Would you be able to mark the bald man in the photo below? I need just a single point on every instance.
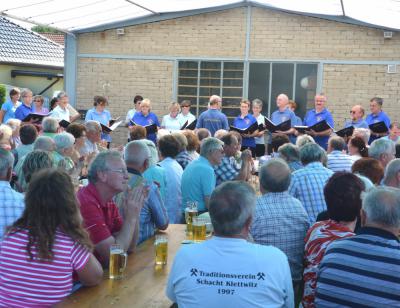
(284, 113)
(356, 114)
(213, 119)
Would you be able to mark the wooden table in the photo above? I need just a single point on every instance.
(143, 284)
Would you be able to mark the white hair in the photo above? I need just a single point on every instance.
(136, 153)
(64, 141)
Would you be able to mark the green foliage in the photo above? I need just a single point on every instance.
(3, 94)
(43, 29)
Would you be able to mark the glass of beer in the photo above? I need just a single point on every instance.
(199, 229)
(118, 258)
(190, 213)
(161, 244)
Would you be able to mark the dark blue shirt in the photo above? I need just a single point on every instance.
(375, 118)
(312, 117)
(142, 120)
(22, 111)
(213, 120)
(244, 123)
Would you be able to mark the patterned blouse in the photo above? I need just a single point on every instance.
(318, 237)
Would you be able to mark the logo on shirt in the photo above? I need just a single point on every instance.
(247, 121)
(319, 118)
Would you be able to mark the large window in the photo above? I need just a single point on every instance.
(296, 80)
(198, 80)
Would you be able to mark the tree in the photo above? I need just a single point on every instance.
(44, 29)
(3, 93)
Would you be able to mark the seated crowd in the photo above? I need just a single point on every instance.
(319, 227)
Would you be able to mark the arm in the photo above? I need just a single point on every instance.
(245, 170)
(92, 273)
(132, 202)
(2, 114)
(327, 132)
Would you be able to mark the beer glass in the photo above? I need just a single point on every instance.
(190, 213)
(161, 245)
(199, 229)
(118, 258)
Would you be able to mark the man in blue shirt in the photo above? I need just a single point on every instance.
(26, 107)
(198, 178)
(213, 119)
(318, 114)
(284, 113)
(357, 121)
(153, 213)
(377, 115)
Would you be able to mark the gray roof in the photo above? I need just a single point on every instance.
(22, 46)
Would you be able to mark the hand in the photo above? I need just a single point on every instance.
(245, 135)
(103, 143)
(133, 200)
(246, 155)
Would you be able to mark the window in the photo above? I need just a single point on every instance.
(296, 80)
(198, 80)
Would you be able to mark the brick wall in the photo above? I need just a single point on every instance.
(274, 35)
(120, 81)
(347, 85)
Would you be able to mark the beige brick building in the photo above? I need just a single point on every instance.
(239, 52)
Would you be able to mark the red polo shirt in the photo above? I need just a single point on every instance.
(100, 220)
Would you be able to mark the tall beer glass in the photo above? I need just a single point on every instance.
(118, 258)
(190, 213)
(161, 246)
(199, 229)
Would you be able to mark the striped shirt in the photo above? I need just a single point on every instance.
(307, 185)
(26, 283)
(361, 271)
(338, 161)
(320, 235)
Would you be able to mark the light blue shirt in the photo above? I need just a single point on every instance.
(11, 205)
(9, 109)
(173, 198)
(157, 174)
(103, 117)
(230, 272)
(307, 185)
(357, 124)
(198, 181)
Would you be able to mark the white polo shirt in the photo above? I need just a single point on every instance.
(228, 272)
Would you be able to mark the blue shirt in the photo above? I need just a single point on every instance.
(360, 271)
(198, 181)
(143, 120)
(173, 197)
(12, 206)
(375, 118)
(9, 110)
(357, 124)
(153, 213)
(244, 123)
(281, 116)
(312, 117)
(307, 185)
(103, 117)
(281, 221)
(213, 120)
(22, 111)
(156, 174)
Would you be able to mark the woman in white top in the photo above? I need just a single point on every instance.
(260, 142)
(186, 115)
(170, 121)
(61, 112)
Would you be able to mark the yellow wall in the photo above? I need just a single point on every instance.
(36, 84)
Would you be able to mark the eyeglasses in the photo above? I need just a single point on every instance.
(351, 112)
(185, 106)
(121, 171)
